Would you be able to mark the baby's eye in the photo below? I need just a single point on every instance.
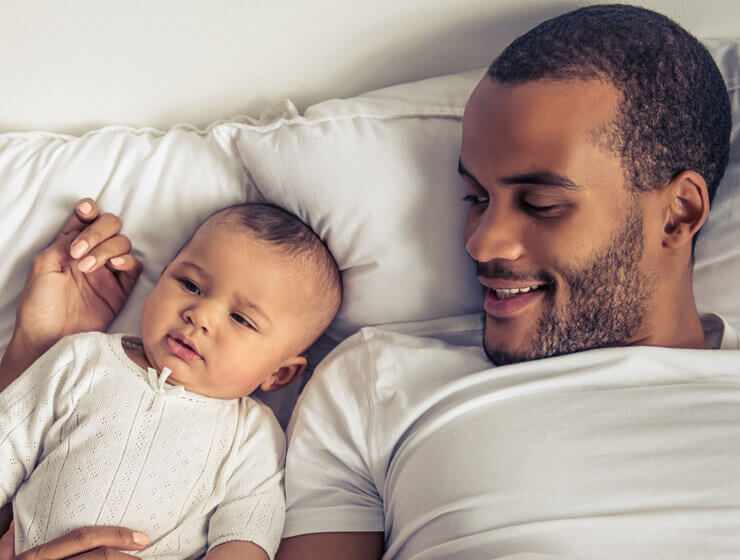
(242, 321)
(190, 286)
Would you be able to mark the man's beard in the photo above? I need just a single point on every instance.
(607, 305)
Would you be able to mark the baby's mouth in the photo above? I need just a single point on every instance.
(183, 348)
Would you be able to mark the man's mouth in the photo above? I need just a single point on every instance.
(182, 347)
(507, 293)
(504, 300)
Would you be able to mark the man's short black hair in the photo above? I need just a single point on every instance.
(674, 111)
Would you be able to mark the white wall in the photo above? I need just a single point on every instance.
(73, 65)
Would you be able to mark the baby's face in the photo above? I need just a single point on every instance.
(227, 312)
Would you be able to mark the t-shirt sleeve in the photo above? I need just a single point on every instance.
(253, 506)
(329, 467)
(27, 412)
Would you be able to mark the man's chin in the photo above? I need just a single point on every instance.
(504, 358)
(497, 343)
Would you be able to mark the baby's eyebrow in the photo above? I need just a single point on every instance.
(241, 301)
(198, 269)
(244, 303)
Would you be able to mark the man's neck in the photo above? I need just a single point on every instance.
(675, 326)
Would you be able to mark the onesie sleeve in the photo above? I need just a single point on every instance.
(27, 411)
(330, 475)
(253, 506)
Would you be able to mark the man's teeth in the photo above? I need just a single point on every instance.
(505, 294)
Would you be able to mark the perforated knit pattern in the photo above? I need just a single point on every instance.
(80, 444)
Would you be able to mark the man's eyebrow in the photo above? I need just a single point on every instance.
(544, 178)
(463, 171)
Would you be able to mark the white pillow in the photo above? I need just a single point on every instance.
(376, 177)
(161, 185)
(717, 257)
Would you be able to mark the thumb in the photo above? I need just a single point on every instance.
(7, 543)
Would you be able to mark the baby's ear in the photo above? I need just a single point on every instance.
(288, 372)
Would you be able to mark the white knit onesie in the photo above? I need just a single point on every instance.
(89, 438)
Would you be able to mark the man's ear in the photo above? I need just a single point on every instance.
(687, 208)
(288, 372)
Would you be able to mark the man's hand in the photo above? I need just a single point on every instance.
(79, 283)
(88, 542)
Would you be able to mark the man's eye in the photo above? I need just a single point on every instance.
(190, 286)
(476, 198)
(545, 210)
(242, 321)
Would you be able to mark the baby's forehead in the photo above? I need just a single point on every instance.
(238, 242)
(279, 234)
(216, 229)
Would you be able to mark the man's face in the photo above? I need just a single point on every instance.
(226, 313)
(557, 237)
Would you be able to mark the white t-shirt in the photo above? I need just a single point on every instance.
(89, 438)
(624, 453)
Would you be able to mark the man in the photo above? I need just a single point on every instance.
(590, 154)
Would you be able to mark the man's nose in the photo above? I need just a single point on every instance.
(495, 234)
(199, 316)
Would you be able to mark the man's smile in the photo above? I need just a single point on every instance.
(505, 298)
(507, 302)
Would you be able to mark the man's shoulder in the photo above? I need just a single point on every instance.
(457, 330)
(396, 353)
(458, 335)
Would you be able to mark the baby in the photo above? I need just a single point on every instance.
(158, 433)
